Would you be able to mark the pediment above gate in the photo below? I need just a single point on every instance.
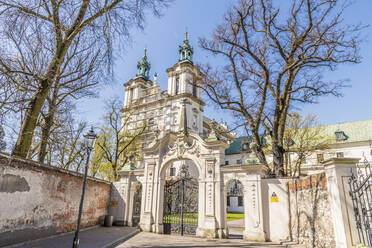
(178, 145)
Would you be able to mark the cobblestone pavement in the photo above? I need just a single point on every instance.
(145, 240)
(97, 237)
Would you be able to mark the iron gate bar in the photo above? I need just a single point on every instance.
(361, 196)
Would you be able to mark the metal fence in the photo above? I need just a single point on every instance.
(361, 195)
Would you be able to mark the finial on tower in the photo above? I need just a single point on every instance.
(143, 67)
(186, 51)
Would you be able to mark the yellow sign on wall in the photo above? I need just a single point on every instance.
(113, 202)
(274, 197)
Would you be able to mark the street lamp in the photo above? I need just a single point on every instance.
(90, 138)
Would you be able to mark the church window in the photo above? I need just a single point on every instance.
(172, 171)
(194, 91)
(177, 86)
(240, 201)
(195, 120)
(340, 135)
(151, 124)
(245, 147)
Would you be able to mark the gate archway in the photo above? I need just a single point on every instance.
(235, 209)
(180, 210)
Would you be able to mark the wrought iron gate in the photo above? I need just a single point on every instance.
(137, 204)
(181, 205)
(361, 195)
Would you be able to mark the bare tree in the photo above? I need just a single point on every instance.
(2, 142)
(275, 57)
(58, 25)
(116, 144)
(64, 146)
(303, 136)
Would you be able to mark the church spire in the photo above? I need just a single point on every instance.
(186, 51)
(143, 67)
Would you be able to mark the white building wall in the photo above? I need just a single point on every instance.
(234, 206)
(276, 214)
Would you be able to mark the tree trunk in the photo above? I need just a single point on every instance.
(277, 148)
(26, 132)
(278, 159)
(257, 149)
(45, 132)
(29, 122)
(49, 120)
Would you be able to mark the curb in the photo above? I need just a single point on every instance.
(122, 239)
(26, 242)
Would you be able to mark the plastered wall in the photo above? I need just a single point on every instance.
(40, 200)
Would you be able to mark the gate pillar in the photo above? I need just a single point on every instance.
(147, 218)
(211, 216)
(338, 171)
(253, 217)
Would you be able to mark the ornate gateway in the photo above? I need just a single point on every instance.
(181, 205)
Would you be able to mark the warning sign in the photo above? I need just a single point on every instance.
(274, 197)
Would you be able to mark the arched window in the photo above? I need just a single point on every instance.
(245, 147)
(177, 86)
(194, 91)
(151, 124)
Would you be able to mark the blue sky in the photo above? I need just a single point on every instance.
(162, 36)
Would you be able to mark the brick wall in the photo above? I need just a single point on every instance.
(311, 220)
(40, 200)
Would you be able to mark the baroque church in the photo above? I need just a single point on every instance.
(168, 111)
(193, 171)
(162, 111)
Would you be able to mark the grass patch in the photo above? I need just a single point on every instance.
(234, 216)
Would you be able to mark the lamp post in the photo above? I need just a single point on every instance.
(90, 138)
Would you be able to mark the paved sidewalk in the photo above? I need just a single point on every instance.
(236, 228)
(145, 240)
(97, 237)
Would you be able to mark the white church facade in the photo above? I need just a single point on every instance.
(193, 170)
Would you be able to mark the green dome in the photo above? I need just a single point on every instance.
(186, 51)
(143, 67)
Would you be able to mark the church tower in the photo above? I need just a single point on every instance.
(183, 80)
(135, 87)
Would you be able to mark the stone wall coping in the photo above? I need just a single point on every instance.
(33, 165)
(341, 162)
